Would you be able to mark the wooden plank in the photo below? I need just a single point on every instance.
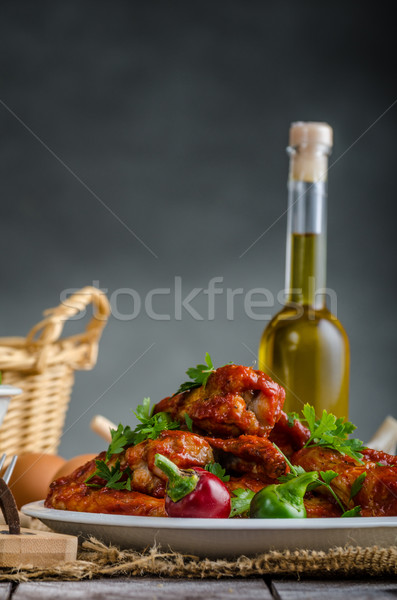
(37, 548)
(368, 589)
(145, 589)
(5, 591)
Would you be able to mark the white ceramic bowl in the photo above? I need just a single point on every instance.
(6, 393)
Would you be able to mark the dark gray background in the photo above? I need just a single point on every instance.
(176, 115)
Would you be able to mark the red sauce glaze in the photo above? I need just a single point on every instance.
(79, 497)
(289, 438)
(250, 454)
(377, 456)
(378, 495)
(235, 400)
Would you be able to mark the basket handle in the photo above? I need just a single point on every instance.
(50, 329)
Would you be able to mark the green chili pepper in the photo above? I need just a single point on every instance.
(282, 501)
(180, 483)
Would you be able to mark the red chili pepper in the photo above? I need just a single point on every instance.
(194, 493)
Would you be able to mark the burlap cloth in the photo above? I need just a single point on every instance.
(98, 560)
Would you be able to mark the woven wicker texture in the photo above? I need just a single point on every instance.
(43, 365)
(97, 560)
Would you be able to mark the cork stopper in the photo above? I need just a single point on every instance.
(306, 133)
(310, 143)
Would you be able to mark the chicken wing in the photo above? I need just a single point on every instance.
(185, 449)
(379, 457)
(378, 495)
(289, 437)
(246, 482)
(249, 454)
(235, 400)
(319, 507)
(79, 497)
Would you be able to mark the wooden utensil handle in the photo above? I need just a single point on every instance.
(102, 426)
(385, 438)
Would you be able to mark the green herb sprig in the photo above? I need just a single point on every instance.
(326, 479)
(241, 501)
(354, 512)
(121, 437)
(330, 432)
(111, 475)
(189, 422)
(357, 485)
(199, 376)
(150, 427)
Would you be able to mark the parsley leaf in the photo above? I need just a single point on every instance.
(199, 376)
(292, 474)
(331, 432)
(241, 501)
(121, 437)
(201, 372)
(357, 485)
(318, 427)
(218, 470)
(143, 412)
(328, 476)
(296, 470)
(150, 427)
(112, 476)
(354, 512)
(189, 422)
(186, 387)
(310, 416)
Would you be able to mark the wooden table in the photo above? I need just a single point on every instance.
(149, 588)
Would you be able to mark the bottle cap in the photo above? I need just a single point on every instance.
(304, 133)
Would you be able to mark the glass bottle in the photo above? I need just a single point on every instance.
(304, 347)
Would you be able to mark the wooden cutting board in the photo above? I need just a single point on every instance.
(35, 548)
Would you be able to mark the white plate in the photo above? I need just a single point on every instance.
(219, 537)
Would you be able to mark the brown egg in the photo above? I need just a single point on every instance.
(32, 476)
(70, 465)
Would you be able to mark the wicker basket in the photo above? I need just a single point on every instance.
(43, 366)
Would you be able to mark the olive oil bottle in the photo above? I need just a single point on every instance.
(304, 347)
